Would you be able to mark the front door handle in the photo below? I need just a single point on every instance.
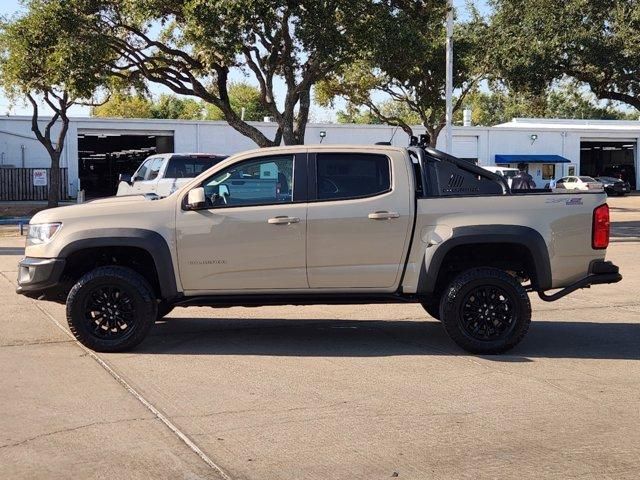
(283, 220)
(383, 215)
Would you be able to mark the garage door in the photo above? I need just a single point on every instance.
(465, 147)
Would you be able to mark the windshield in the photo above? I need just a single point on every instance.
(608, 179)
(189, 166)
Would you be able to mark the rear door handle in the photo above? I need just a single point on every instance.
(383, 215)
(283, 220)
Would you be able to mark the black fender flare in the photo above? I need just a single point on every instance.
(148, 240)
(482, 234)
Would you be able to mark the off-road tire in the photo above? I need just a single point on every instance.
(459, 300)
(141, 308)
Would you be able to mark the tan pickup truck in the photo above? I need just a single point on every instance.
(321, 225)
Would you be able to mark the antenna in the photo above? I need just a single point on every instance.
(393, 134)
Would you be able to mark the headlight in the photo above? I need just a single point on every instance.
(40, 233)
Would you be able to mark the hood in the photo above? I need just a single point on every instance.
(92, 208)
(122, 199)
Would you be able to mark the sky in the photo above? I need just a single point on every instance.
(10, 7)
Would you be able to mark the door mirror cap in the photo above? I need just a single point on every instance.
(195, 198)
(125, 177)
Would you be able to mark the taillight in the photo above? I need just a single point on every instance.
(600, 233)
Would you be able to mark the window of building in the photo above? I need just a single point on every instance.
(548, 171)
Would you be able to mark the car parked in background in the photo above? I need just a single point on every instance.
(506, 172)
(614, 186)
(165, 173)
(579, 183)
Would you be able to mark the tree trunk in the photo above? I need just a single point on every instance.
(54, 181)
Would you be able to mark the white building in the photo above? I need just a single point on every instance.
(97, 150)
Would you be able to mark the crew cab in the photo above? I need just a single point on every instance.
(321, 224)
(163, 174)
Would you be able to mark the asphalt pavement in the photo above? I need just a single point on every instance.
(328, 392)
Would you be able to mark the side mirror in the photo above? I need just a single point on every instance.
(125, 177)
(195, 198)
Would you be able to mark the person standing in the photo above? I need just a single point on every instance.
(522, 180)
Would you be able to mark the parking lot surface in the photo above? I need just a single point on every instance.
(328, 392)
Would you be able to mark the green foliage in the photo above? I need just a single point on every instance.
(404, 60)
(191, 47)
(388, 109)
(51, 49)
(51, 54)
(536, 42)
(241, 95)
(171, 106)
(122, 105)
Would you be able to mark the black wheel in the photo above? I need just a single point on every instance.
(432, 308)
(164, 309)
(485, 310)
(110, 309)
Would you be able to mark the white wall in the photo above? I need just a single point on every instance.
(218, 137)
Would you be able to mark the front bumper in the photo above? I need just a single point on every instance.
(600, 272)
(37, 276)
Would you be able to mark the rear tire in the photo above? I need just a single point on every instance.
(111, 309)
(486, 311)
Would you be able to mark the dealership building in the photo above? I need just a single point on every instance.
(98, 149)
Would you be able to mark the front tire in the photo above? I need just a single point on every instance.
(111, 309)
(486, 311)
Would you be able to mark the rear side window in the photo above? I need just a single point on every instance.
(190, 166)
(352, 175)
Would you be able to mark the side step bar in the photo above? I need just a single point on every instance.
(600, 272)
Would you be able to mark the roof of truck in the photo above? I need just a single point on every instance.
(327, 146)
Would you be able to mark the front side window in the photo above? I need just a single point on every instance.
(263, 181)
(352, 175)
(154, 169)
(143, 169)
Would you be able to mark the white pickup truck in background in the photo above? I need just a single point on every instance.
(165, 173)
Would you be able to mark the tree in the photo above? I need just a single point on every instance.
(241, 95)
(500, 106)
(191, 47)
(122, 105)
(405, 62)
(48, 55)
(171, 106)
(537, 42)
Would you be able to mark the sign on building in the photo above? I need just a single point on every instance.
(39, 177)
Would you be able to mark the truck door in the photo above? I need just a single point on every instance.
(359, 217)
(252, 234)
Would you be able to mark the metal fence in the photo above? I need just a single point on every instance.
(17, 184)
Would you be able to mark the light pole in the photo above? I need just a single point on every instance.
(449, 80)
